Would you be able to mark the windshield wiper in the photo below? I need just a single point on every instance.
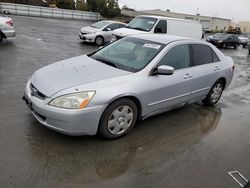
(137, 28)
(105, 61)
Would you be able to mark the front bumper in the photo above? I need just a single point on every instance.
(87, 37)
(9, 33)
(67, 121)
(215, 43)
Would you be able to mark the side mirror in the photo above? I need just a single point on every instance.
(163, 70)
(108, 29)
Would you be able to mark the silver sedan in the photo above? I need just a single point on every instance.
(100, 32)
(108, 90)
(6, 28)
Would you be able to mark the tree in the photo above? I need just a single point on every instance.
(125, 7)
(107, 8)
(65, 4)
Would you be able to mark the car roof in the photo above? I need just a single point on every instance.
(112, 21)
(160, 38)
(168, 18)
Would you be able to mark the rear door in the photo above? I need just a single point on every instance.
(205, 69)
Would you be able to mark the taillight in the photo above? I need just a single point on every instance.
(10, 23)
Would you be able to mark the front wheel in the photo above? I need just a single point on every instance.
(236, 46)
(99, 40)
(118, 119)
(1, 38)
(248, 51)
(244, 45)
(214, 94)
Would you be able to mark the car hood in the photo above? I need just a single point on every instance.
(72, 72)
(123, 32)
(89, 29)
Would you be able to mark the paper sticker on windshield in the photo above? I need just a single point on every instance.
(155, 46)
(151, 22)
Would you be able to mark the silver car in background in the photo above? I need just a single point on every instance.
(131, 79)
(7, 29)
(100, 32)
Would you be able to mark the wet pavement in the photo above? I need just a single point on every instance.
(193, 146)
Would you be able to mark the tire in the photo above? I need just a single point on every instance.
(99, 40)
(236, 46)
(118, 119)
(249, 51)
(1, 38)
(214, 94)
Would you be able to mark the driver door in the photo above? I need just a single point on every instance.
(168, 91)
(108, 31)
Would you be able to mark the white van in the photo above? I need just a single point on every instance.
(159, 24)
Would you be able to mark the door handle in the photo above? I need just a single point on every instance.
(187, 75)
(216, 68)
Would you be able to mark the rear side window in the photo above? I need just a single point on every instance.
(215, 57)
(202, 54)
(177, 57)
(161, 27)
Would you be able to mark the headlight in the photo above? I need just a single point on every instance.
(220, 41)
(73, 101)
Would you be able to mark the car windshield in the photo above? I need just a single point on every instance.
(142, 23)
(100, 24)
(220, 36)
(128, 54)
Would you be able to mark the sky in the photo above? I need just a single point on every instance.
(231, 9)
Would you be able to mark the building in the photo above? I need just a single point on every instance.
(208, 23)
(244, 26)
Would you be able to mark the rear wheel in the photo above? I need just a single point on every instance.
(214, 94)
(99, 40)
(244, 45)
(118, 119)
(248, 51)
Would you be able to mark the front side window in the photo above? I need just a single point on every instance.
(178, 57)
(142, 23)
(161, 27)
(202, 54)
(112, 26)
(129, 54)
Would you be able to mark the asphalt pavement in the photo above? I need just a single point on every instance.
(193, 146)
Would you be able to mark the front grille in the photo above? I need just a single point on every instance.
(34, 92)
(84, 33)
